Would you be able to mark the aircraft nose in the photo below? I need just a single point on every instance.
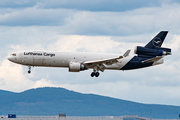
(10, 58)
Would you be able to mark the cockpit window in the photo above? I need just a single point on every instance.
(14, 54)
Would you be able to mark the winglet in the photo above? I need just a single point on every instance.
(127, 53)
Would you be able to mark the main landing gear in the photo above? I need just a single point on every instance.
(97, 68)
(29, 71)
(96, 74)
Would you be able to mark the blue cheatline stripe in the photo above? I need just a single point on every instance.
(135, 63)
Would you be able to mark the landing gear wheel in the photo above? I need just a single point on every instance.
(92, 74)
(29, 71)
(97, 74)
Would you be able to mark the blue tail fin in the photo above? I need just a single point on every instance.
(157, 41)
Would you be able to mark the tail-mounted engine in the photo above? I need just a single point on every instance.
(76, 67)
(157, 51)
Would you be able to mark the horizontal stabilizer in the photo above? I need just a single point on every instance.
(152, 59)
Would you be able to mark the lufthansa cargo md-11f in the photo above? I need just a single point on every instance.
(149, 55)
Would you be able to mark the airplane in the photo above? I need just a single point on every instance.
(149, 55)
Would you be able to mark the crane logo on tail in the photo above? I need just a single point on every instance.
(157, 42)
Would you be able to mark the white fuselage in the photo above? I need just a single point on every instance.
(63, 59)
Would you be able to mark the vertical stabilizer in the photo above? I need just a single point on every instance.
(157, 41)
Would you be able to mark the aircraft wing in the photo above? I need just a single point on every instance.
(152, 59)
(108, 61)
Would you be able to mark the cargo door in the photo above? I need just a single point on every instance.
(26, 59)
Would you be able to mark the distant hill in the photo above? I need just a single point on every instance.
(51, 101)
(3, 92)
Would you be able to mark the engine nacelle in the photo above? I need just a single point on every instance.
(151, 52)
(76, 67)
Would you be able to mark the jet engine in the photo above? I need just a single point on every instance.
(157, 51)
(76, 67)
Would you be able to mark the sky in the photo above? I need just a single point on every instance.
(100, 26)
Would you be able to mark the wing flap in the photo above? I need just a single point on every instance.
(108, 61)
(103, 60)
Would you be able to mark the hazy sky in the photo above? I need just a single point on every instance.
(106, 26)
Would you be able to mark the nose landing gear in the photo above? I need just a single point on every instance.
(29, 71)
